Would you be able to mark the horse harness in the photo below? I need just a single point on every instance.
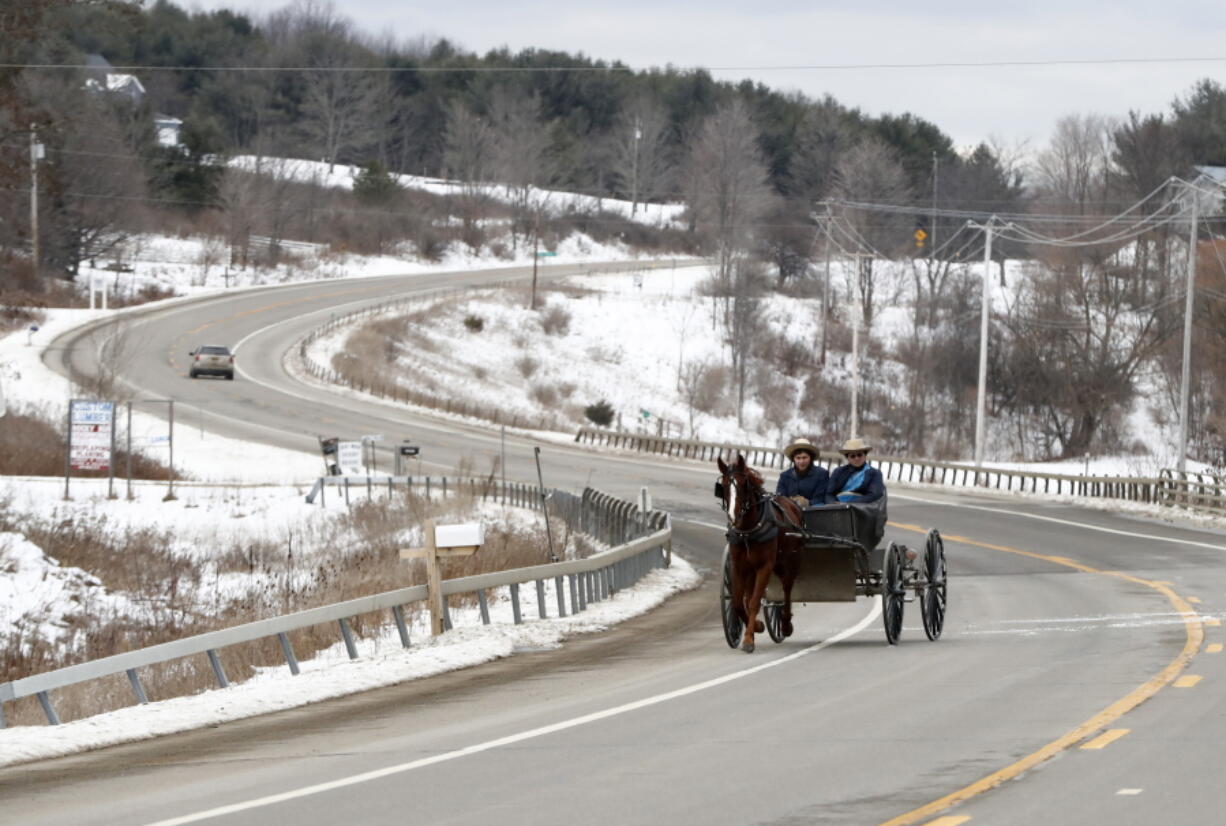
(767, 528)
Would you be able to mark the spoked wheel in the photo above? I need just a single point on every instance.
(733, 627)
(932, 603)
(774, 620)
(892, 593)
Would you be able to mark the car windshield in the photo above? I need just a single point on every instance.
(214, 351)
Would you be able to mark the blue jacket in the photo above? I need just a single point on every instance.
(870, 489)
(811, 486)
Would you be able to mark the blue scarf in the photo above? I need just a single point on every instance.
(854, 481)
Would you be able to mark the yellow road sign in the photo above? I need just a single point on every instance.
(920, 235)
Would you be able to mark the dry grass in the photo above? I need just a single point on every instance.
(353, 555)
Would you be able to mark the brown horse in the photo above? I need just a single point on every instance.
(759, 544)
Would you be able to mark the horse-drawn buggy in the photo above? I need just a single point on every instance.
(779, 553)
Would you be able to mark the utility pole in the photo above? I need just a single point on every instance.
(932, 230)
(1185, 378)
(634, 168)
(855, 372)
(981, 405)
(536, 257)
(826, 289)
(36, 155)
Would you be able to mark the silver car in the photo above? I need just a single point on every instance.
(212, 360)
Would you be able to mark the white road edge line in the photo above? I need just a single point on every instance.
(523, 735)
(1071, 522)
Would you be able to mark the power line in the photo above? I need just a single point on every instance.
(806, 67)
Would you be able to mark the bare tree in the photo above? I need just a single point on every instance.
(870, 172)
(339, 108)
(468, 154)
(89, 206)
(727, 187)
(1073, 170)
(520, 154)
(1074, 343)
(640, 142)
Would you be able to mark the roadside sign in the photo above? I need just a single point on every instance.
(377, 437)
(546, 254)
(90, 436)
(409, 450)
(349, 454)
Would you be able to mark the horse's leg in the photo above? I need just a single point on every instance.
(761, 578)
(738, 586)
(786, 625)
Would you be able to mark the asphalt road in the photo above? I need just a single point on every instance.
(1064, 623)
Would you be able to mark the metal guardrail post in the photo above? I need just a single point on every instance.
(44, 700)
(137, 688)
(484, 605)
(515, 612)
(347, 634)
(288, 651)
(560, 588)
(401, 628)
(540, 599)
(218, 671)
(447, 626)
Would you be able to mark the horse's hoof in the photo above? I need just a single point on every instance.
(758, 627)
(747, 647)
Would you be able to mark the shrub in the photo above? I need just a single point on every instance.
(600, 413)
(474, 323)
(555, 320)
(544, 395)
(527, 366)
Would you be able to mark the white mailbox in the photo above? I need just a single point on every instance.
(459, 536)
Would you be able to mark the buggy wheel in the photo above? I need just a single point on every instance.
(892, 593)
(774, 620)
(733, 627)
(932, 601)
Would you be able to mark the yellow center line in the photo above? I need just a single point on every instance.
(1106, 738)
(1194, 600)
(1187, 681)
(948, 820)
(1213, 648)
(1194, 637)
(1212, 622)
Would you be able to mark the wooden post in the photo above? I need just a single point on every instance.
(434, 582)
(434, 579)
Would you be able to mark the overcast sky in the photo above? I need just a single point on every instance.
(1012, 103)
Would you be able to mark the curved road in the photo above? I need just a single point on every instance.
(1064, 624)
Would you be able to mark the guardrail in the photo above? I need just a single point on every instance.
(1190, 489)
(896, 468)
(645, 544)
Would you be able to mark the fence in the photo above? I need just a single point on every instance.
(644, 542)
(1135, 489)
(1189, 489)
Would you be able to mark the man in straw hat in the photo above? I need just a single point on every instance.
(805, 481)
(856, 481)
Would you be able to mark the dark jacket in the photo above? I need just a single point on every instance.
(811, 486)
(870, 489)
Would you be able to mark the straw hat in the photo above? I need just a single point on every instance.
(800, 444)
(855, 445)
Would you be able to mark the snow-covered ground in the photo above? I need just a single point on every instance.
(342, 177)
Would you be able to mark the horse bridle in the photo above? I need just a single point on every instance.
(767, 524)
(742, 535)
